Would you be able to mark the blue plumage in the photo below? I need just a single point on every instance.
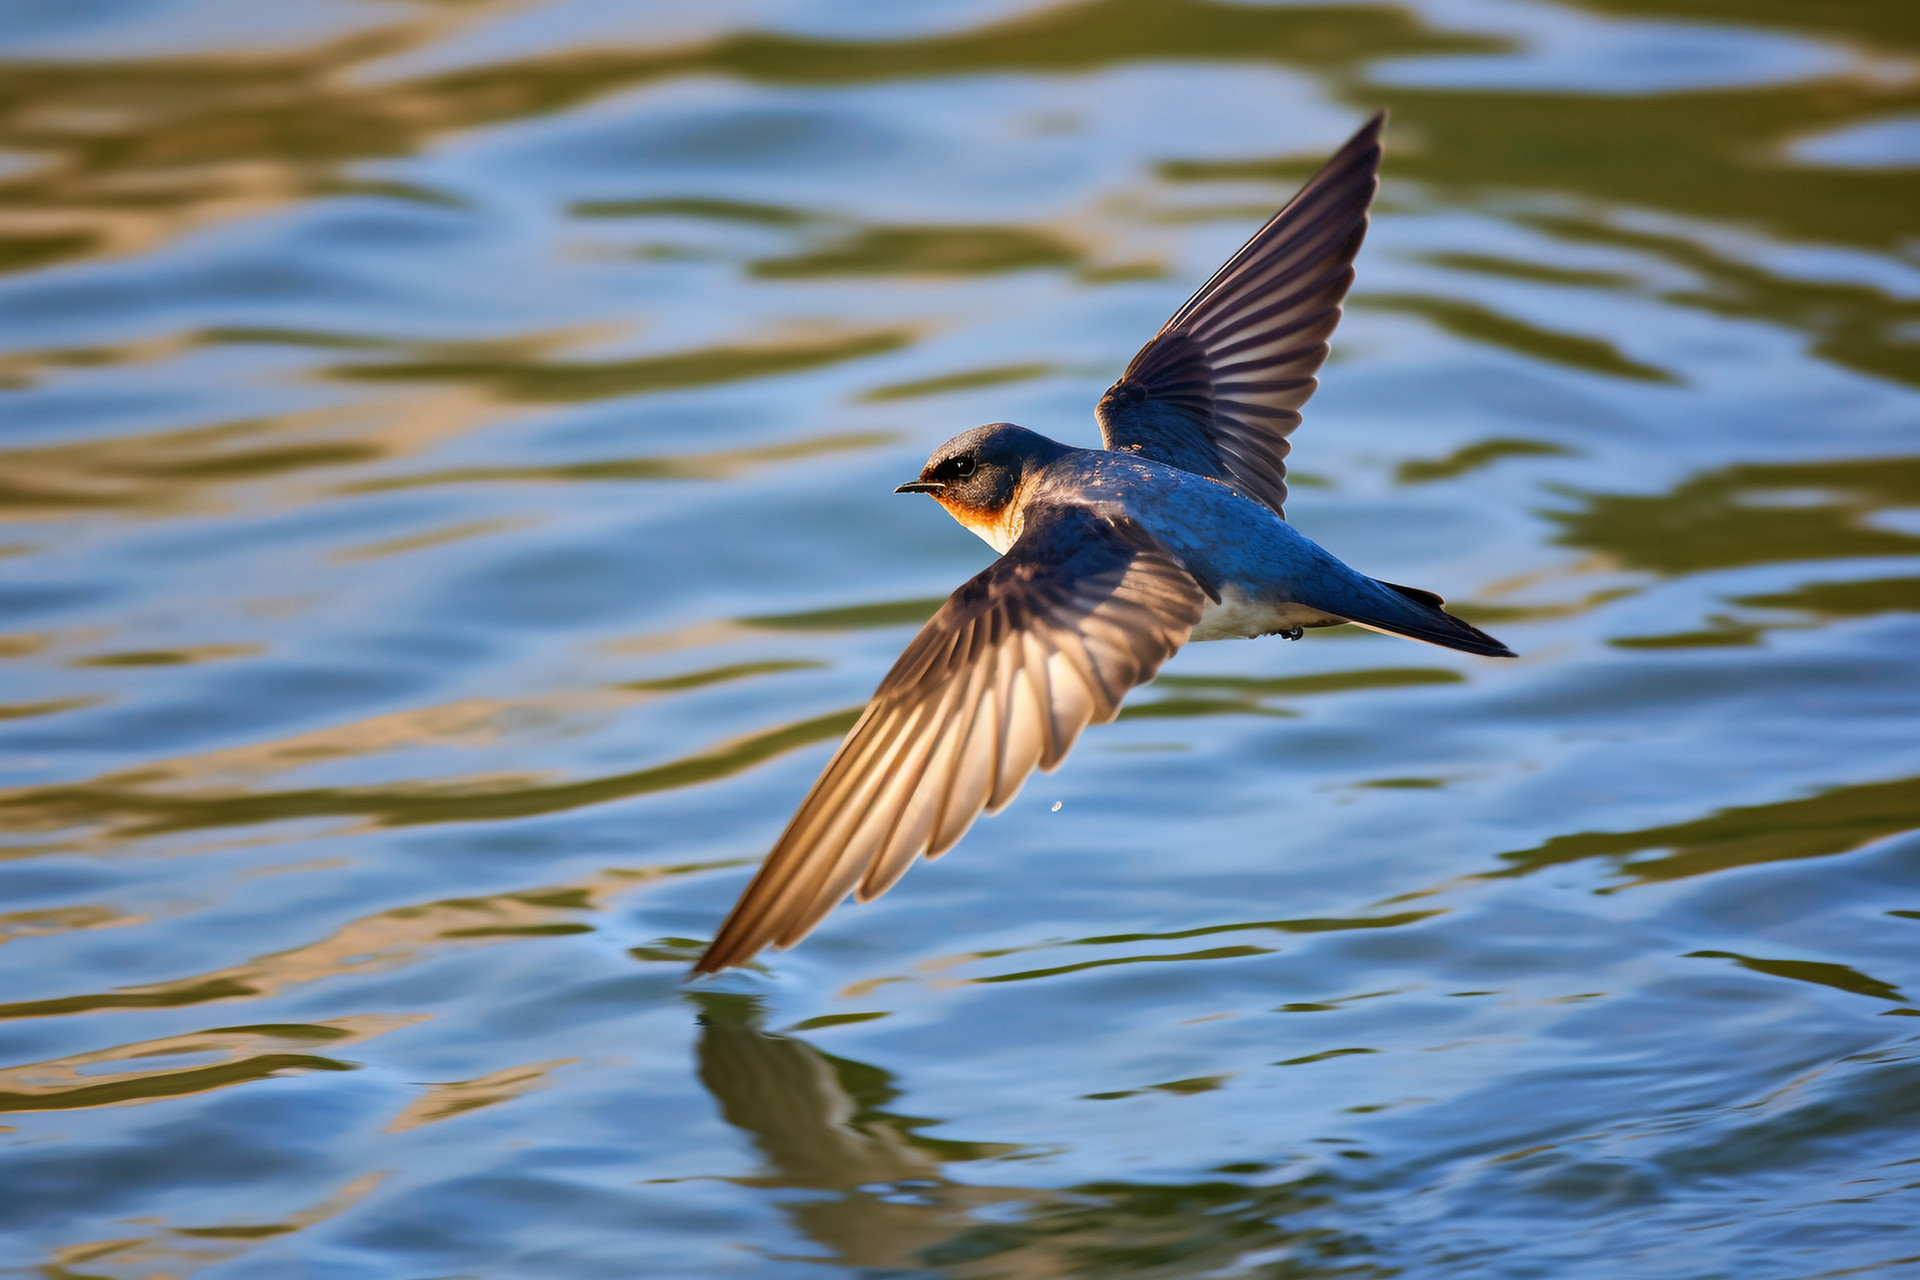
(1260, 574)
(1111, 559)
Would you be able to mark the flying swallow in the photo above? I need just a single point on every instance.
(1110, 560)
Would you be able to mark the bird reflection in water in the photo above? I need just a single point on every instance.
(818, 1125)
(880, 1197)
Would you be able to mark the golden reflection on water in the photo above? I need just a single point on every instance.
(134, 152)
(381, 943)
(172, 473)
(182, 1251)
(131, 810)
(1628, 364)
(239, 1055)
(457, 1097)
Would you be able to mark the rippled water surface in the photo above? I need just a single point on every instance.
(446, 460)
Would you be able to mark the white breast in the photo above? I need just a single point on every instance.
(1239, 616)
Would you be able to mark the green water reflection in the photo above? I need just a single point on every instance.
(1752, 514)
(447, 458)
(1831, 822)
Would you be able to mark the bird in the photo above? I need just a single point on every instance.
(1110, 559)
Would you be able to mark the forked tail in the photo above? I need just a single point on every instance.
(1416, 614)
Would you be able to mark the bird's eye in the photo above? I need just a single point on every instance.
(962, 467)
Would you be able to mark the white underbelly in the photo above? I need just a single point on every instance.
(1238, 616)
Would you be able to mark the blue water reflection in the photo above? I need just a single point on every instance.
(447, 468)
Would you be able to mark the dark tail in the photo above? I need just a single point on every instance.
(1416, 614)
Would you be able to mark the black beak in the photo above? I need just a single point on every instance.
(921, 486)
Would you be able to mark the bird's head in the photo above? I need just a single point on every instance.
(978, 477)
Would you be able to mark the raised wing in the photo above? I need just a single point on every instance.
(1219, 389)
(1018, 661)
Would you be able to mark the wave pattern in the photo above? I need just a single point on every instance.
(447, 520)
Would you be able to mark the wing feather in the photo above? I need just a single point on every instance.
(1219, 389)
(918, 805)
(972, 782)
(1002, 680)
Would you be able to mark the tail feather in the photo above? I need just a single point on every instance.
(1416, 614)
(1415, 594)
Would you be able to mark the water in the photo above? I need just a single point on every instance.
(447, 453)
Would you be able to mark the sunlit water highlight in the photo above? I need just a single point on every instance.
(447, 462)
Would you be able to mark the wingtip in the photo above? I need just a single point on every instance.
(702, 970)
(715, 959)
(1363, 150)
